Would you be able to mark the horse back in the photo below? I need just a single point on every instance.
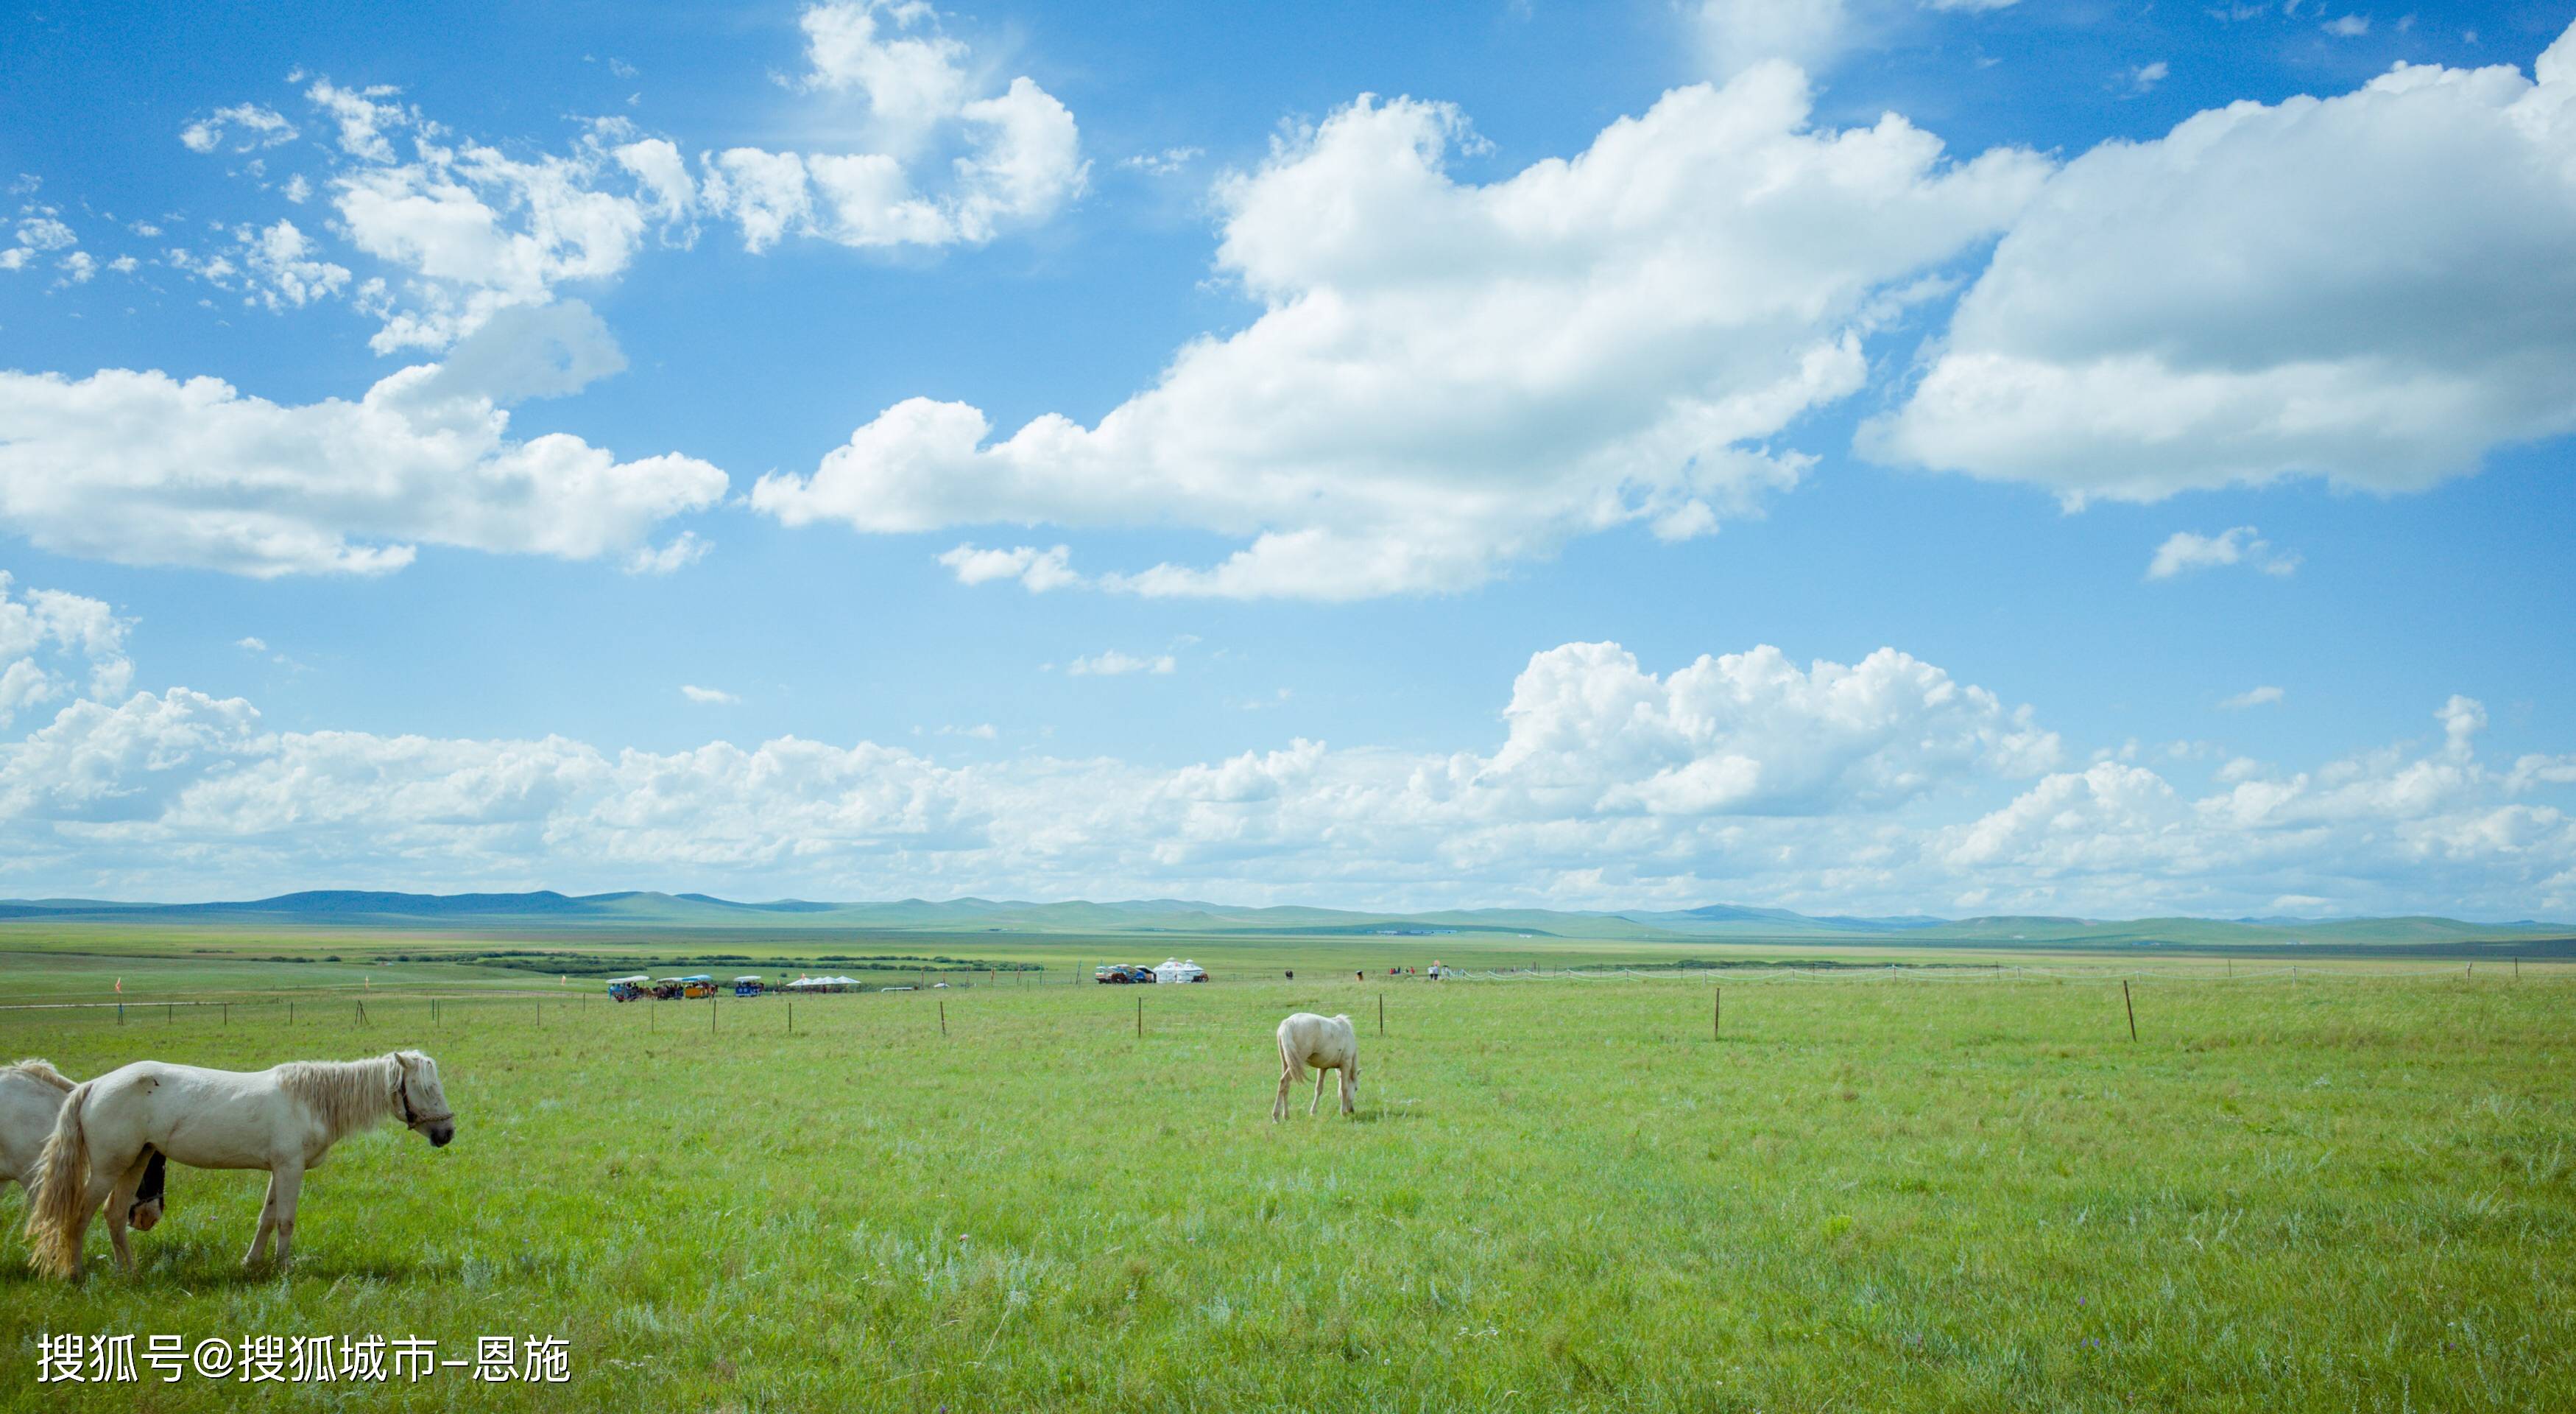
(215, 1119)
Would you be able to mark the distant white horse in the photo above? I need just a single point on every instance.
(31, 1099)
(1326, 1043)
(282, 1119)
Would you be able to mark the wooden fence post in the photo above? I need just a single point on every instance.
(1716, 1011)
(2132, 1006)
(1381, 1013)
(1140, 1018)
(943, 1016)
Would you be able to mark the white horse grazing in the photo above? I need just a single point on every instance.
(1326, 1043)
(31, 1099)
(282, 1119)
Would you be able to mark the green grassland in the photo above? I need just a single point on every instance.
(2343, 1192)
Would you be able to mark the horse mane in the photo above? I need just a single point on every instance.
(344, 1095)
(41, 1071)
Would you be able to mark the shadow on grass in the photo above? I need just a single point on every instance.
(203, 1264)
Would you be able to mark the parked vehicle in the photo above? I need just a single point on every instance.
(1122, 974)
(749, 986)
(627, 989)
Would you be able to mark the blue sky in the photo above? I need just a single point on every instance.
(2087, 496)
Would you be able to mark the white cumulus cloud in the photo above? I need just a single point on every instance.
(2186, 550)
(140, 467)
(1867, 786)
(1037, 570)
(2372, 289)
(1013, 157)
(1447, 378)
(251, 127)
(54, 644)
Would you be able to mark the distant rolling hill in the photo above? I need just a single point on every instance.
(547, 910)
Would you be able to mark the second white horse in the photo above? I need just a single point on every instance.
(31, 1099)
(1324, 1043)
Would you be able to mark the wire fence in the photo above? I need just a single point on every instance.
(536, 1004)
(1938, 973)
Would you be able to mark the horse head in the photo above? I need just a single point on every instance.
(422, 1102)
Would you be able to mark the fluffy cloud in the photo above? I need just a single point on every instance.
(53, 644)
(2372, 289)
(41, 232)
(1747, 734)
(466, 229)
(477, 232)
(144, 468)
(1446, 378)
(251, 126)
(2185, 551)
(1017, 155)
(283, 269)
(1037, 570)
(2401, 826)
(708, 696)
(1871, 785)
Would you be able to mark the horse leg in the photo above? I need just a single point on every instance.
(286, 1183)
(1350, 1090)
(1317, 1102)
(267, 1220)
(1279, 1107)
(120, 1206)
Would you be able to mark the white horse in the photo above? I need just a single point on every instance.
(1326, 1043)
(283, 1120)
(31, 1099)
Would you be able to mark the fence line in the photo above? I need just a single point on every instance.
(321, 999)
(1953, 972)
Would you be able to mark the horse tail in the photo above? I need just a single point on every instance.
(1290, 1058)
(56, 1199)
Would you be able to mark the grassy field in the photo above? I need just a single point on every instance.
(2344, 1194)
